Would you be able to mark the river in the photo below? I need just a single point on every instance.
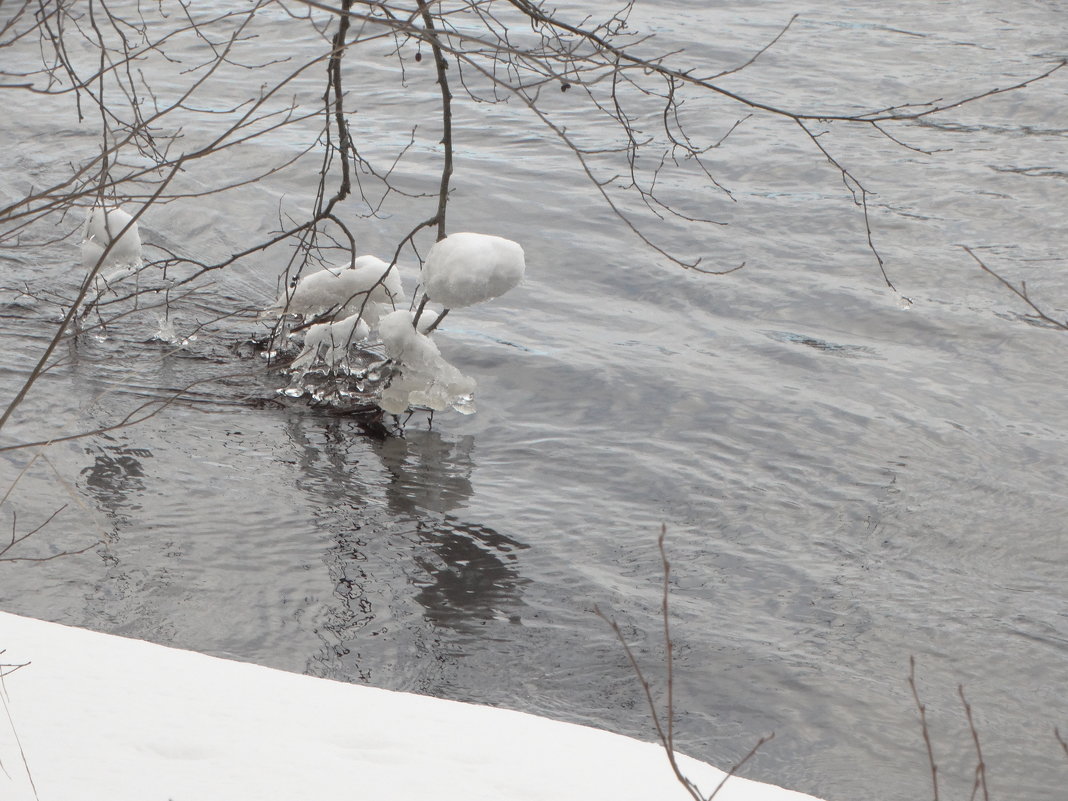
(849, 475)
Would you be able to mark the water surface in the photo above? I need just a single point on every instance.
(848, 478)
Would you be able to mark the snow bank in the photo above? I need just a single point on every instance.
(104, 718)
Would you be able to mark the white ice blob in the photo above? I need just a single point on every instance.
(403, 343)
(335, 338)
(101, 226)
(423, 377)
(344, 291)
(464, 269)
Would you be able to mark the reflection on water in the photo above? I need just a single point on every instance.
(341, 623)
(329, 453)
(469, 575)
(427, 473)
(390, 507)
(116, 475)
(846, 483)
(467, 571)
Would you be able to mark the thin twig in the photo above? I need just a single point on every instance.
(923, 726)
(1061, 740)
(665, 724)
(442, 66)
(1020, 292)
(14, 731)
(980, 764)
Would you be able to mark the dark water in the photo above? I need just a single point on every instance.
(847, 478)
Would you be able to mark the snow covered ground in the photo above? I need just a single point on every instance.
(93, 716)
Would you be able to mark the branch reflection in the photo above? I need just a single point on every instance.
(412, 575)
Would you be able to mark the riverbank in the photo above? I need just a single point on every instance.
(94, 716)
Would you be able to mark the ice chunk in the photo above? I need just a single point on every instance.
(423, 377)
(371, 283)
(167, 332)
(335, 337)
(464, 269)
(101, 226)
(403, 343)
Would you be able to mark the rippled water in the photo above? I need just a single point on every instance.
(847, 478)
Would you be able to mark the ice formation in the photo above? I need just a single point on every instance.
(464, 269)
(422, 377)
(335, 337)
(101, 226)
(340, 364)
(368, 286)
(168, 332)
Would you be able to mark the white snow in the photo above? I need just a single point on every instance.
(332, 340)
(464, 269)
(424, 378)
(101, 226)
(404, 344)
(104, 718)
(345, 291)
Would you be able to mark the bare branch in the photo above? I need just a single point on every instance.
(665, 725)
(1020, 292)
(980, 765)
(922, 709)
(1061, 740)
(442, 66)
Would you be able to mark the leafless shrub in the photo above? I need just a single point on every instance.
(663, 715)
(101, 55)
(6, 669)
(979, 787)
(10, 550)
(980, 764)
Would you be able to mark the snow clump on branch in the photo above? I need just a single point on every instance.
(465, 269)
(369, 287)
(460, 270)
(335, 337)
(101, 226)
(421, 378)
(340, 363)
